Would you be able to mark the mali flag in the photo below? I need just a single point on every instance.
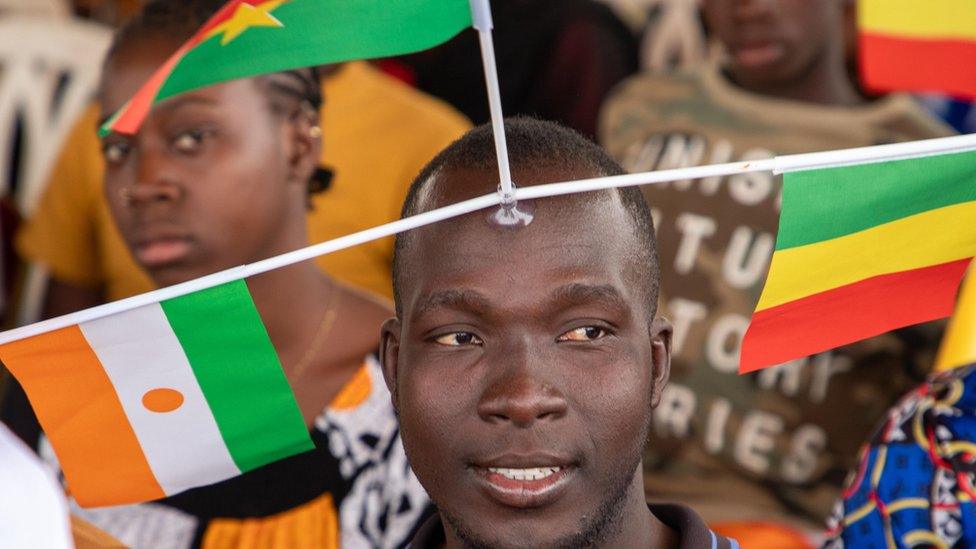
(250, 37)
(918, 45)
(861, 250)
(158, 398)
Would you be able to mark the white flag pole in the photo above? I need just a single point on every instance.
(481, 20)
(779, 164)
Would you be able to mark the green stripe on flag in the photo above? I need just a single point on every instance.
(824, 204)
(238, 369)
(317, 32)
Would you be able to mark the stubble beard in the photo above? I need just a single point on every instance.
(593, 530)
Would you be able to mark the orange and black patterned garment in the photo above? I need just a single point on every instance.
(355, 489)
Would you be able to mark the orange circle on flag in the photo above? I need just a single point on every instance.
(162, 400)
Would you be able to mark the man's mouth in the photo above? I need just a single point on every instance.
(525, 487)
(535, 473)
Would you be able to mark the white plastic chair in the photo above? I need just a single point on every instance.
(42, 8)
(49, 68)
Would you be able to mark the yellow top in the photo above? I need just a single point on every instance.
(378, 134)
(959, 342)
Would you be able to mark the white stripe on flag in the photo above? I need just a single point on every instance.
(140, 352)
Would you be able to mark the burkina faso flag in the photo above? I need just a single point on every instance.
(251, 37)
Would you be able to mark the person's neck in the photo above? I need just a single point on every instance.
(637, 526)
(292, 301)
(825, 83)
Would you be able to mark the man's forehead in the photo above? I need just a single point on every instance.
(567, 240)
(448, 185)
(569, 221)
(564, 221)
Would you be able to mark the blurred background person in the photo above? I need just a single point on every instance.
(557, 60)
(760, 456)
(670, 32)
(377, 134)
(222, 176)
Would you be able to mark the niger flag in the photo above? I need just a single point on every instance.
(153, 400)
(918, 45)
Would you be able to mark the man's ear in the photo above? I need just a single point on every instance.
(304, 144)
(389, 355)
(660, 334)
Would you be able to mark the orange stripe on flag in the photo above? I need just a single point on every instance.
(80, 412)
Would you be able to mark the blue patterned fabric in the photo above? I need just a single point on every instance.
(914, 485)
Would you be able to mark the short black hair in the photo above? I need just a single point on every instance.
(539, 144)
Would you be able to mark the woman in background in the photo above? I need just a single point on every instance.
(221, 177)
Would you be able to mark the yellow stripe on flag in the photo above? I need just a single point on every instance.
(935, 19)
(959, 343)
(929, 238)
(80, 412)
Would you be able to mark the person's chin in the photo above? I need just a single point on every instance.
(510, 514)
(504, 528)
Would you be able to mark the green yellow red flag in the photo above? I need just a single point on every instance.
(251, 37)
(862, 250)
(909, 45)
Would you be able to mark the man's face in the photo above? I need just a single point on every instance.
(526, 366)
(772, 42)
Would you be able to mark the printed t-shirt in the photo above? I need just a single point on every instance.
(377, 135)
(355, 489)
(773, 446)
(692, 531)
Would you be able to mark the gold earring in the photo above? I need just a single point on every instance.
(315, 132)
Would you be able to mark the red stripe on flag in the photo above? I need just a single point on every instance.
(890, 63)
(137, 108)
(850, 313)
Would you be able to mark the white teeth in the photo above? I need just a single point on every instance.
(534, 473)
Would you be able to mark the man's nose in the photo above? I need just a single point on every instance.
(518, 393)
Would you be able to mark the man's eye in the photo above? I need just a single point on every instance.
(457, 339)
(584, 333)
(115, 153)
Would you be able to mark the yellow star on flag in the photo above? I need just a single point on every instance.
(247, 16)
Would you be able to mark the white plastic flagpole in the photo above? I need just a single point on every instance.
(879, 153)
(481, 20)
